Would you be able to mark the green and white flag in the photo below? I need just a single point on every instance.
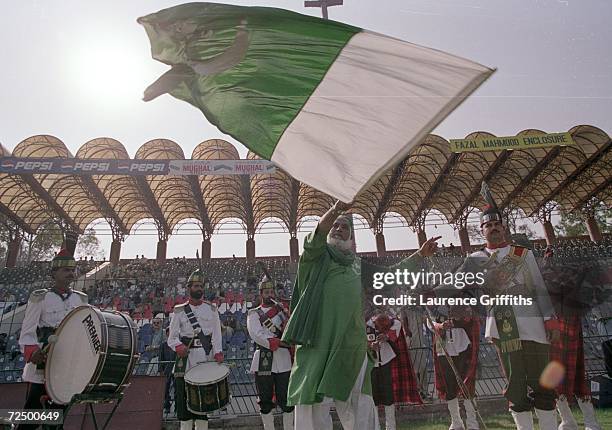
(333, 105)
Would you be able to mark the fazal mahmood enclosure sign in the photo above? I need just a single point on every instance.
(510, 142)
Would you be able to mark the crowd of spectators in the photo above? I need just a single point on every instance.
(148, 291)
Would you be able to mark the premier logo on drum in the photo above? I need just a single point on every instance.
(93, 334)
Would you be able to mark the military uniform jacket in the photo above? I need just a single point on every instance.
(45, 309)
(281, 358)
(208, 318)
(530, 321)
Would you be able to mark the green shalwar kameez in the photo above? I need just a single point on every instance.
(328, 362)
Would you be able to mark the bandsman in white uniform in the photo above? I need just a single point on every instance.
(518, 331)
(204, 346)
(272, 359)
(45, 311)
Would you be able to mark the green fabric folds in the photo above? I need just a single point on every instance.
(250, 70)
(306, 306)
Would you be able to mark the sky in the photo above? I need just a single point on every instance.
(77, 70)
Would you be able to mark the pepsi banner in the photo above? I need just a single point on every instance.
(78, 166)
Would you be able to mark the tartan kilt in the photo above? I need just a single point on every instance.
(569, 351)
(405, 385)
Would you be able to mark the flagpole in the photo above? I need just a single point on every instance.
(323, 4)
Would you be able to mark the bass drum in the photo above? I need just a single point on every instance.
(207, 388)
(94, 352)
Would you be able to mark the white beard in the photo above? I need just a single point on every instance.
(344, 246)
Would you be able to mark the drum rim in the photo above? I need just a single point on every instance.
(50, 352)
(104, 339)
(223, 407)
(133, 355)
(210, 382)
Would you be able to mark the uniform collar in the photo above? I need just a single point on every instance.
(499, 246)
(194, 302)
(64, 293)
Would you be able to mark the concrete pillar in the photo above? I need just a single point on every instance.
(294, 249)
(13, 251)
(381, 248)
(464, 239)
(115, 252)
(206, 250)
(593, 229)
(161, 251)
(422, 237)
(250, 250)
(549, 233)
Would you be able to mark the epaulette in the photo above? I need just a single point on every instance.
(38, 295)
(180, 307)
(253, 309)
(84, 297)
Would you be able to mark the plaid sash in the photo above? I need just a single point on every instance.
(267, 319)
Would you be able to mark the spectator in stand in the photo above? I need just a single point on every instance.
(137, 314)
(148, 312)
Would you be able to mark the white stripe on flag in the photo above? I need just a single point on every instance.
(378, 100)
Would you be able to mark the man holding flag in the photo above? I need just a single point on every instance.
(327, 324)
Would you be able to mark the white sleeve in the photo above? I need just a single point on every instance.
(216, 333)
(256, 331)
(174, 334)
(541, 292)
(396, 327)
(30, 323)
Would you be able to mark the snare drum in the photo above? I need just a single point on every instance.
(95, 352)
(207, 388)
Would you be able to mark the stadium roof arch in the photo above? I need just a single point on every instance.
(430, 177)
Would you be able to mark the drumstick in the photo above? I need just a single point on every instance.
(50, 340)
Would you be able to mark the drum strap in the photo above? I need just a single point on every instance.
(204, 340)
(267, 319)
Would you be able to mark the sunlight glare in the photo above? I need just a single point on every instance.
(109, 73)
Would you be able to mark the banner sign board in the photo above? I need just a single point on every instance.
(221, 167)
(512, 142)
(77, 166)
